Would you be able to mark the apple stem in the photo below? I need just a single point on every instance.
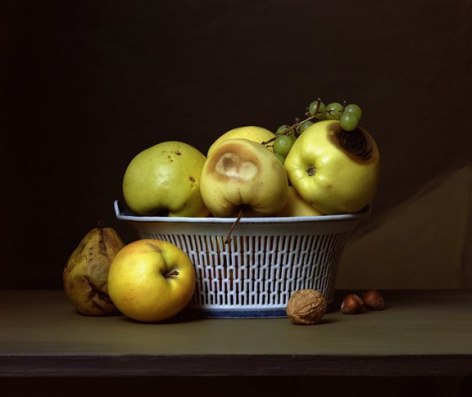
(172, 273)
(233, 226)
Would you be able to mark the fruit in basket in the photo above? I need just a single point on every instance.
(164, 179)
(253, 133)
(242, 176)
(297, 206)
(306, 306)
(334, 170)
(85, 276)
(151, 280)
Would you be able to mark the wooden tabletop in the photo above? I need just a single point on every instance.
(421, 333)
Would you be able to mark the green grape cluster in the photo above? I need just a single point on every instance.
(349, 116)
(284, 139)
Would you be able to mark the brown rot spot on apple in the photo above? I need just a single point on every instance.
(357, 143)
(192, 179)
(233, 166)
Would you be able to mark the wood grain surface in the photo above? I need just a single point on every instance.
(419, 333)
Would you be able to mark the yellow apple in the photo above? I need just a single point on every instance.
(151, 280)
(243, 175)
(164, 179)
(253, 133)
(297, 206)
(335, 171)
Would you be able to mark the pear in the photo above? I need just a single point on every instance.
(85, 276)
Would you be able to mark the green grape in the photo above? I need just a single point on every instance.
(282, 129)
(292, 135)
(355, 109)
(280, 157)
(349, 121)
(334, 110)
(317, 109)
(304, 125)
(282, 145)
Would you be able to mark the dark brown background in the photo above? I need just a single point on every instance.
(85, 85)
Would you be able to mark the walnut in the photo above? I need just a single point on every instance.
(306, 306)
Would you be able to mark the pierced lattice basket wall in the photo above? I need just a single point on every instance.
(264, 261)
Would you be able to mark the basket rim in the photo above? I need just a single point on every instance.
(126, 215)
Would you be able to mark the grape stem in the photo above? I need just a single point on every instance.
(294, 127)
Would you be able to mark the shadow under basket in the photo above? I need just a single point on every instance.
(266, 259)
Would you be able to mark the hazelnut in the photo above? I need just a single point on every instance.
(373, 300)
(306, 306)
(352, 304)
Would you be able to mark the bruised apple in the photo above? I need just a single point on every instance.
(242, 176)
(251, 132)
(334, 170)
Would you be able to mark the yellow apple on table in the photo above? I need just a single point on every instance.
(296, 206)
(251, 132)
(151, 280)
(164, 179)
(243, 176)
(335, 171)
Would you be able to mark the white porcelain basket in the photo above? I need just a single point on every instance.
(254, 274)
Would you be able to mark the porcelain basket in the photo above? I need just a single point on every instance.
(265, 260)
